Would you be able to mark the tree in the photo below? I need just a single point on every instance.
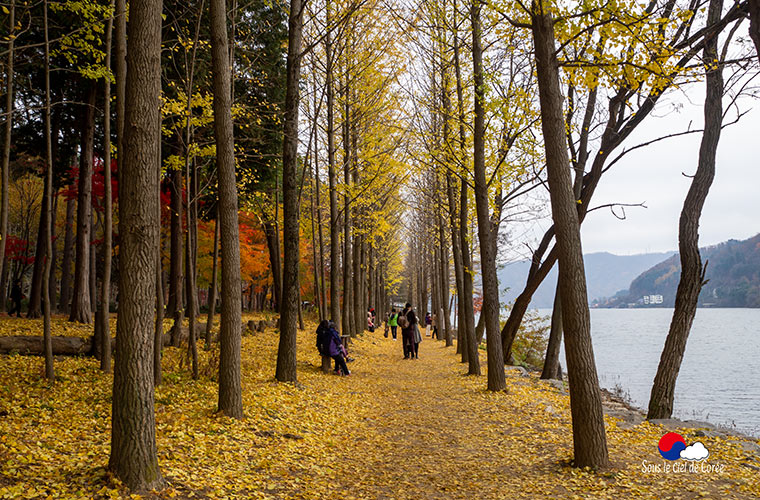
(486, 233)
(589, 439)
(134, 458)
(7, 145)
(230, 335)
(692, 271)
(286, 352)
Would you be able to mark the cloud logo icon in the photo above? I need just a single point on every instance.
(695, 452)
(671, 445)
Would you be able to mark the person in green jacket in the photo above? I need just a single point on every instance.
(393, 322)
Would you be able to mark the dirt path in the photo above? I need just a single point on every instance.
(428, 431)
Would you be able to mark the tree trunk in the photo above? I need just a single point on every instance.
(68, 247)
(754, 24)
(692, 271)
(212, 289)
(551, 360)
(35, 294)
(52, 289)
(81, 309)
(230, 335)
(332, 180)
(174, 304)
(286, 352)
(48, 208)
(589, 439)
(273, 244)
(133, 440)
(496, 378)
(105, 290)
(7, 145)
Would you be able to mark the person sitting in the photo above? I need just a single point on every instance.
(336, 351)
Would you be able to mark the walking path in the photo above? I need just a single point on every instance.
(431, 432)
(394, 429)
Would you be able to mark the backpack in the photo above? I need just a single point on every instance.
(402, 321)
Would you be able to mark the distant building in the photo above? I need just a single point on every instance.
(651, 299)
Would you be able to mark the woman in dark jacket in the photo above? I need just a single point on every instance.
(407, 333)
(335, 351)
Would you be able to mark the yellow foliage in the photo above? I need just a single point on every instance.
(393, 429)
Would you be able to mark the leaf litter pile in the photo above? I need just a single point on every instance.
(394, 429)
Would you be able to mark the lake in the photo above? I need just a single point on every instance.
(719, 381)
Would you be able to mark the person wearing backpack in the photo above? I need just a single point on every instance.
(408, 323)
(393, 322)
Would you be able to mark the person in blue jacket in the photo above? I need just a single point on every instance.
(330, 344)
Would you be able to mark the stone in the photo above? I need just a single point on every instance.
(522, 372)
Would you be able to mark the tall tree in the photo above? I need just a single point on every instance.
(81, 309)
(486, 235)
(589, 438)
(230, 335)
(286, 352)
(692, 271)
(48, 208)
(134, 458)
(7, 144)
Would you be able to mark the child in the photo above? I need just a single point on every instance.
(337, 351)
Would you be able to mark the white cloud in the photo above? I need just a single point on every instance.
(696, 451)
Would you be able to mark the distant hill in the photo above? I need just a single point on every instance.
(606, 274)
(733, 274)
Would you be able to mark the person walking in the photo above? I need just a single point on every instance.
(408, 325)
(16, 296)
(393, 322)
(428, 322)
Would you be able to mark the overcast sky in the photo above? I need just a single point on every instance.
(654, 175)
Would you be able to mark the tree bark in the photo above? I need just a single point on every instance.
(551, 360)
(335, 308)
(81, 309)
(105, 290)
(133, 441)
(286, 352)
(35, 294)
(496, 378)
(174, 304)
(212, 289)
(230, 335)
(68, 247)
(7, 145)
(48, 208)
(589, 439)
(692, 271)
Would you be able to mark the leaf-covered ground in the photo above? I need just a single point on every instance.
(394, 429)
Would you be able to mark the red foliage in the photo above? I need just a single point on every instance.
(16, 249)
(98, 184)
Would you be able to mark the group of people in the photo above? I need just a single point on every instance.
(329, 342)
(410, 330)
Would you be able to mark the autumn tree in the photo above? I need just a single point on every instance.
(133, 441)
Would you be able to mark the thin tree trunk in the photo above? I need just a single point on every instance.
(48, 208)
(496, 378)
(286, 352)
(212, 290)
(68, 247)
(230, 335)
(105, 290)
(81, 310)
(551, 360)
(8, 136)
(40, 257)
(134, 458)
(335, 308)
(692, 270)
(589, 439)
(174, 304)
